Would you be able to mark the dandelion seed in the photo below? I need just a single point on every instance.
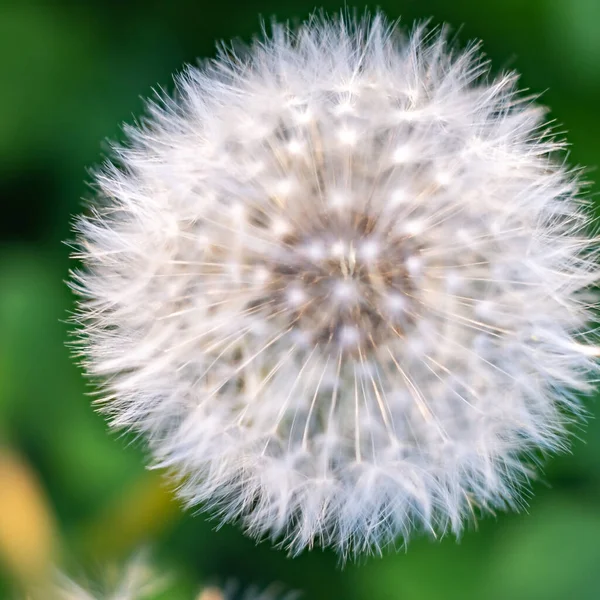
(376, 331)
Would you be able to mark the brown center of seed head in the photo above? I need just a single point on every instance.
(344, 282)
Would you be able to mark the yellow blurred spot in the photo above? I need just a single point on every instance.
(211, 594)
(27, 528)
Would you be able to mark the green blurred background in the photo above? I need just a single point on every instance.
(71, 73)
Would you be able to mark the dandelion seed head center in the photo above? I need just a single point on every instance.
(344, 281)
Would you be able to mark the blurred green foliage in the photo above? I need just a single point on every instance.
(71, 73)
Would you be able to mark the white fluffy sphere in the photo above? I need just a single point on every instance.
(340, 283)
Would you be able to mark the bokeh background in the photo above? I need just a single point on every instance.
(70, 74)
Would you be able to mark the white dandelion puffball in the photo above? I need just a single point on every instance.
(138, 582)
(135, 580)
(340, 283)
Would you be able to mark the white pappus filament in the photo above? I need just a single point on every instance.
(341, 284)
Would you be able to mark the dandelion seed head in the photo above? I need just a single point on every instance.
(136, 580)
(341, 284)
